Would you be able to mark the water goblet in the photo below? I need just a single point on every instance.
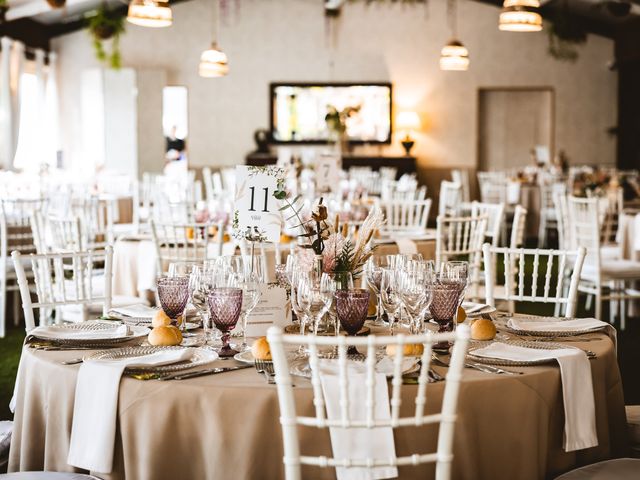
(225, 305)
(389, 295)
(332, 282)
(351, 308)
(373, 278)
(445, 298)
(173, 293)
(202, 283)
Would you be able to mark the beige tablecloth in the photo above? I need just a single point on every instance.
(226, 426)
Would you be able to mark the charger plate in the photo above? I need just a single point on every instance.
(550, 333)
(201, 356)
(55, 333)
(512, 363)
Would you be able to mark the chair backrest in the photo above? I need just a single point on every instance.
(446, 416)
(66, 235)
(404, 189)
(229, 179)
(495, 216)
(493, 187)
(207, 180)
(450, 198)
(462, 238)
(62, 279)
(545, 262)
(584, 228)
(462, 177)
(565, 242)
(406, 215)
(548, 191)
(183, 242)
(15, 225)
(518, 227)
(96, 219)
(388, 173)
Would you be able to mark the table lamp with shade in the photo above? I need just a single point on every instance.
(408, 121)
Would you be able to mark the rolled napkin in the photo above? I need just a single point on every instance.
(406, 246)
(577, 388)
(96, 407)
(358, 443)
(136, 311)
(53, 332)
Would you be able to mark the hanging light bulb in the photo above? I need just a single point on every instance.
(213, 62)
(150, 13)
(520, 16)
(454, 56)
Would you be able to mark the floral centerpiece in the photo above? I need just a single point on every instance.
(327, 246)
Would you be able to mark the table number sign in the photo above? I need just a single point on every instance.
(327, 172)
(256, 216)
(272, 309)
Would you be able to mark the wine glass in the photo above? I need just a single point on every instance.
(202, 283)
(457, 272)
(351, 308)
(250, 285)
(415, 297)
(225, 305)
(389, 295)
(173, 293)
(445, 298)
(314, 300)
(182, 268)
(373, 278)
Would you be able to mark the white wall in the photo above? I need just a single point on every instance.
(285, 40)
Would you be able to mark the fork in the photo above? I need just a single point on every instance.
(266, 367)
(478, 366)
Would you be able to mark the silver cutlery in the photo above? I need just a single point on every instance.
(73, 361)
(200, 373)
(266, 368)
(478, 366)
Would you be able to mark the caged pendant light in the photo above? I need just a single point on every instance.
(213, 61)
(454, 56)
(150, 13)
(520, 16)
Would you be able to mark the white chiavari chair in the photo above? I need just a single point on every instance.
(548, 214)
(15, 234)
(450, 198)
(65, 235)
(388, 173)
(493, 187)
(406, 216)
(228, 179)
(462, 177)
(495, 219)
(212, 185)
(96, 220)
(548, 265)
(290, 420)
(601, 274)
(461, 238)
(518, 227)
(185, 242)
(64, 282)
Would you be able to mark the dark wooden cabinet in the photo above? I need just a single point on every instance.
(404, 164)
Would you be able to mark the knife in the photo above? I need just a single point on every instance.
(199, 373)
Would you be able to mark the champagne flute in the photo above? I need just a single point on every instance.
(373, 278)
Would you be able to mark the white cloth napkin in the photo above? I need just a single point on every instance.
(577, 388)
(358, 442)
(406, 246)
(117, 331)
(513, 192)
(96, 407)
(556, 325)
(136, 311)
(636, 233)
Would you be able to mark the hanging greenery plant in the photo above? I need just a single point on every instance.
(565, 34)
(106, 25)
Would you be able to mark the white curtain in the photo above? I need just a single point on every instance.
(11, 62)
(52, 113)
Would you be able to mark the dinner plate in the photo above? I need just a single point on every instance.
(486, 309)
(511, 363)
(200, 356)
(89, 332)
(245, 357)
(552, 333)
(388, 237)
(301, 368)
(146, 322)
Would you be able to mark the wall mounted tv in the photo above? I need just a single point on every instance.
(299, 111)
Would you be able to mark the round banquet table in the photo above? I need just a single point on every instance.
(226, 426)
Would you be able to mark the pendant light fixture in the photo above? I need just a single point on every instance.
(520, 16)
(454, 55)
(150, 13)
(213, 61)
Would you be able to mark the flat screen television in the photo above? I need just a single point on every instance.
(299, 111)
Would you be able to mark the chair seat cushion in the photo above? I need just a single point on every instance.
(633, 423)
(613, 269)
(617, 469)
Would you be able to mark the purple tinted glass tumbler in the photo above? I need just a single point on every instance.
(225, 305)
(173, 293)
(351, 307)
(445, 298)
